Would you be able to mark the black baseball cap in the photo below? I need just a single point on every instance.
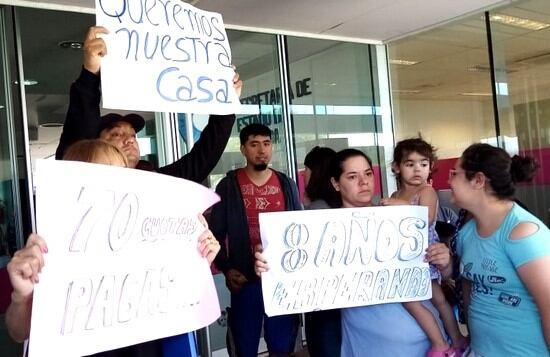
(109, 120)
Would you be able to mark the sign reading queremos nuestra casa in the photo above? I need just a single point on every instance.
(165, 56)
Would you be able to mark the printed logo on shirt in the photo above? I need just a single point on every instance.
(509, 300)
(489, 265)
(465, 268)
(261, 203)
(494, 279)
(478, 280)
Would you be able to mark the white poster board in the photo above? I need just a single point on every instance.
(325, 259)
(165, 56)
(123, 265)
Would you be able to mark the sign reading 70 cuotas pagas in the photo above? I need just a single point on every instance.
(123, 265)
(165, 56)
(326, 259)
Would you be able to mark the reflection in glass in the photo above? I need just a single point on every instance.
(441, 90)
(255, 57)
(331, 96)
(522, 76)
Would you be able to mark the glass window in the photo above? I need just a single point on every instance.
(331, 96)
(12, 178)
(441, 89)
(256, 59)
(8, 164)
(52, 60)
(255, 56)
(522, 76)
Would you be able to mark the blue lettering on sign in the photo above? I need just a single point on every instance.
(166, 13)
(202, 40)
(173, 86)
(510, 300)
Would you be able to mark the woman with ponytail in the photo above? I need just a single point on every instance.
(504, 255)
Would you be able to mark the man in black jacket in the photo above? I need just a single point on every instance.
(244, 194)
(83, 121)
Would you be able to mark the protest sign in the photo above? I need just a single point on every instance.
(325, 259)
(165, 56)
(122, 265)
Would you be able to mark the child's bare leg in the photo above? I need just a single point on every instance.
(447, 315)
(427, 322)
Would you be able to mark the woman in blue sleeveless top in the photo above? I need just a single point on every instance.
(504, 255)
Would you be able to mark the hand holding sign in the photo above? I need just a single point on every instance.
(323, 259)
(124, 265)
(208, 245)
(23, 271)
(94, 48)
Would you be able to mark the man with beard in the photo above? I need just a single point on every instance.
(245, 193)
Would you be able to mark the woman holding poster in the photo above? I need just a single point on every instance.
(26, 265)
(375, 330)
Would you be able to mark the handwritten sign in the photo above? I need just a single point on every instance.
(123, 265)
(325, 259)
(165, 56)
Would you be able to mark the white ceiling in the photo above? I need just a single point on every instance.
(372, 21)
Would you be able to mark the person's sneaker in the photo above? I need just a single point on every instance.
(449, 352)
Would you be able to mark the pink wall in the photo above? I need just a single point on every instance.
(441, 176)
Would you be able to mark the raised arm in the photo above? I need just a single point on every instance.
(82, 120)
(218, 225)
(207, 151)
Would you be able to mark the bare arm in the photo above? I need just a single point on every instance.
(439, 255)
(428, 197)
(82, 119)
(535, 274)
(18, 317)
(536, 277)
(23, 271)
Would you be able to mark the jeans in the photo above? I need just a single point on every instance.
(246, 318)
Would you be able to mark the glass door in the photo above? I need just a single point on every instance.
(13, 192)
(333, 99)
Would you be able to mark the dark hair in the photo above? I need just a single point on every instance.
(253, 130)
(408, 146)
(337, 162)
(502, 171)
(319, 185)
